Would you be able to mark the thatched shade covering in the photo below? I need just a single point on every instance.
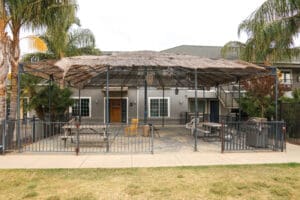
(130, 68)
(44, 69)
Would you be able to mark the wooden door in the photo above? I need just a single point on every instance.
(115, 108)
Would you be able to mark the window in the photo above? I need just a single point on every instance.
(201, 105)
(159, 107)
(286, 77)
(85, 107)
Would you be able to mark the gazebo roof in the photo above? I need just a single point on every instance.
(129, 68)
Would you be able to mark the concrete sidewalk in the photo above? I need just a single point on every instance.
(29, 161)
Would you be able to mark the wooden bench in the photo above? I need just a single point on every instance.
(66, 137)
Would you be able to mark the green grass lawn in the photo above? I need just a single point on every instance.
(215, 182)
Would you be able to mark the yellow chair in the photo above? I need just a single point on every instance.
(132, 129)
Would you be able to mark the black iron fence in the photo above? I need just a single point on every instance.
(2, 137)
(240, 136)
(41, 136)
(290, 113)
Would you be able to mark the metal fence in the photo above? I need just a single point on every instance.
(290, 113)
(86, 137)
(2, 137)
(240, 136)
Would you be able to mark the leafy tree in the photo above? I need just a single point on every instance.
(295, 97)
(59, 101)
(271, 30)
(260, 96)
(28, 14)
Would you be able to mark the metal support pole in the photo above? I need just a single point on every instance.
(276, 96)
(79, 102)
(239, 99)
(204, 101)
(121, 99)
(50, 96)
(33, 129)
(196, 110)
(145, 98)
(222, 137)
(18, 109)
(274, 73)
(3, 135)
(276, 106)
(78, 123)
(152, 138)
(77, 150)
(107, 109)
(163, 104)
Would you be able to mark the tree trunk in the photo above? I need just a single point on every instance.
(15, 51)
(4, 67)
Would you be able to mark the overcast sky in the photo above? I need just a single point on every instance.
(120, 25)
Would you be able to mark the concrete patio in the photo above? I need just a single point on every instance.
(162, 159)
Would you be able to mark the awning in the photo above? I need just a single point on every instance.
(132, 68)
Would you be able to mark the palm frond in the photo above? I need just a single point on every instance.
(36, 43)
(271, 30)
(235, 47)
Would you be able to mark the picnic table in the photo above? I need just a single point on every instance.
(213, 129)
(68, 128)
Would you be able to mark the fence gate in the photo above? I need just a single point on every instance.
(40, 136)
(241, 136)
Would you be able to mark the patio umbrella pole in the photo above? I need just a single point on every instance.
(196, 110)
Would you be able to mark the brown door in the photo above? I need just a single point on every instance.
(115, 108)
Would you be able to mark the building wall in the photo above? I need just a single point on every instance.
(178, 103)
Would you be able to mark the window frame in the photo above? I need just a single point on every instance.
(149, 111)
(199, 106)
(283, 78)
(90, 106)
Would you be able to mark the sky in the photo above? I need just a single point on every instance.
(129, 25)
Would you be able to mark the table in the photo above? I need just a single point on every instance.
(68, 130)
(213, 129)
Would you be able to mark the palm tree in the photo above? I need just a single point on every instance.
(5, 44)
(271, 31)
(28, 14)
(77, 42)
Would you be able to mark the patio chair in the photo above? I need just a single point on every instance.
(191, 125)
(132, 129)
